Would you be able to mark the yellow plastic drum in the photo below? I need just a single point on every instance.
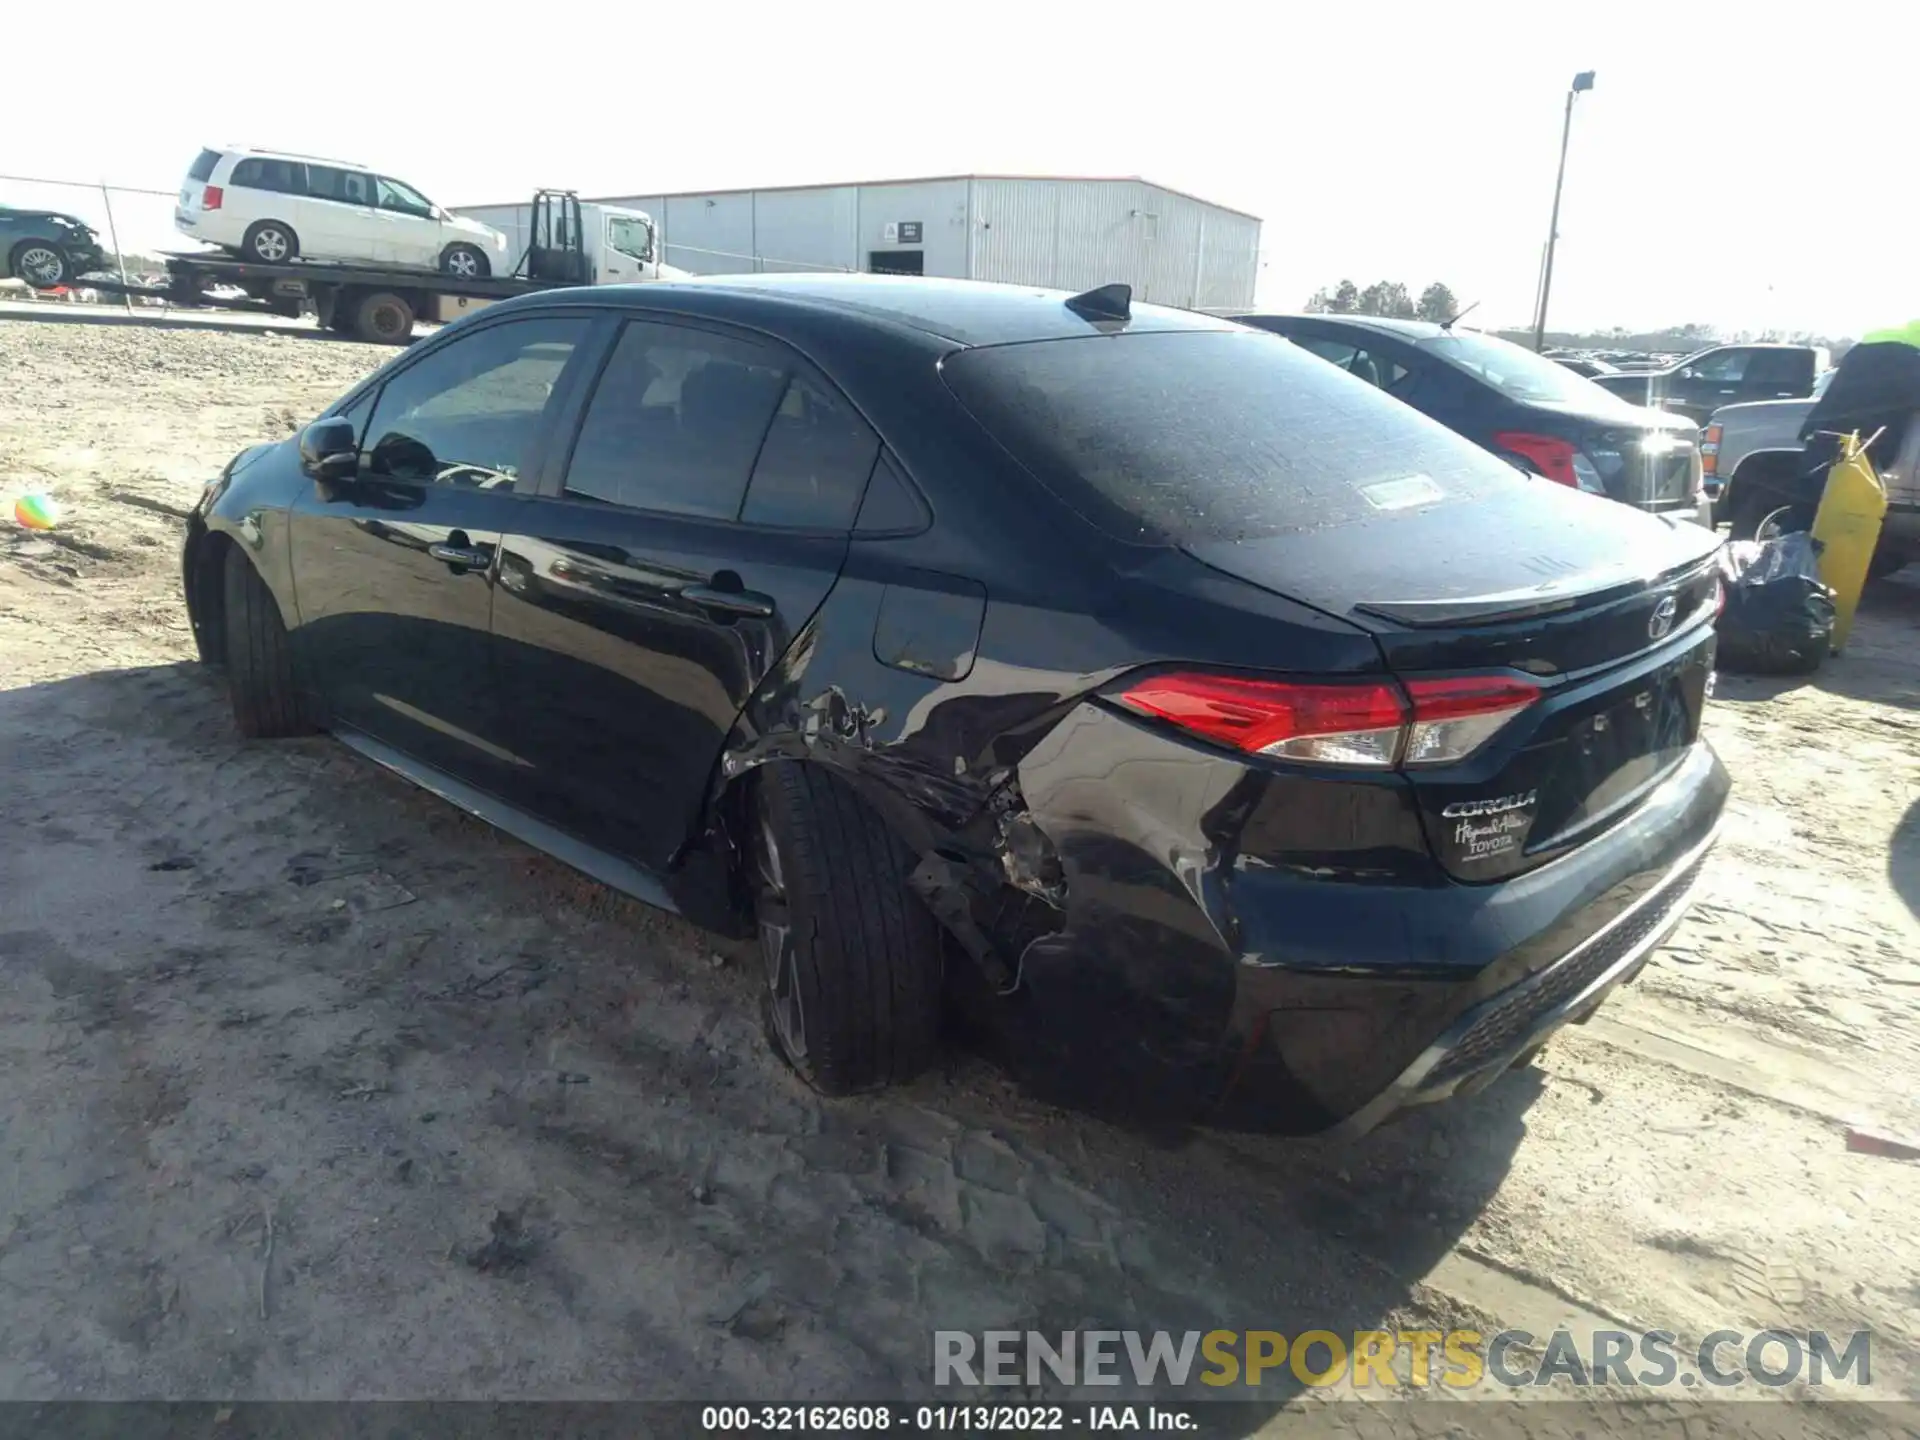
(1847, 528)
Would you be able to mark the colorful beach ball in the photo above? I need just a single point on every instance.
(36, 512)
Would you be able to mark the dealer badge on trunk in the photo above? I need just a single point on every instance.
(1487, 829)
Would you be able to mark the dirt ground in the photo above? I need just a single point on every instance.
(311, 1086)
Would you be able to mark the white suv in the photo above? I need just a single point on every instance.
(270, 206)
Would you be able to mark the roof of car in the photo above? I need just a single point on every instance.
(289, 155)
(1406, 329)
(967, 312)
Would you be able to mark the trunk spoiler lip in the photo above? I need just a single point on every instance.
(1531, 602)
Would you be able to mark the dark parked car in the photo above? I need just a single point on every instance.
(1523, 407)
(46, 248)
(1219, 737)
(1722, 375)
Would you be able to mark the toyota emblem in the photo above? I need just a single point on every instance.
(1661, 621)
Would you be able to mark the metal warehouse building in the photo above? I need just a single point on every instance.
(1071, 233)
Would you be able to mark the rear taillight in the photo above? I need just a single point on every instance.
(1719, 597)
(211, 197)
(1710, 450)
(1453, 716)
(1557, 460)
(1433, 720)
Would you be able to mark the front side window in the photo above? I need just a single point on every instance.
(630, 236)
(676, 421)
(471, 412)
(403, 198)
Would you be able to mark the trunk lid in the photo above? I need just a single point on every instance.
(1609, 611)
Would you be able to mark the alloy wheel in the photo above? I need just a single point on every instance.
(40, 265)
(271, 244)
(463, 263)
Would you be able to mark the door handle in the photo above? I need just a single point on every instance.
(729, 602)
(473, 557)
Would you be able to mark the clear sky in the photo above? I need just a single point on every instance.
(1377, 141)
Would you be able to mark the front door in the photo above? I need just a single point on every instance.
(394, 570)
(698, 524)
(1715, 379)
(408, 232)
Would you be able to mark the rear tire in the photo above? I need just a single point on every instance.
(271, 242)
(468, 262)
(40, 263)
(260, 680)
(383, 318)
(852, 957)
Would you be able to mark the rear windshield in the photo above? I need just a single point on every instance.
(1189, 436)
(203, 165)
(1515, 372)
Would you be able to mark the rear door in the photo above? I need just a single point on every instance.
(395, 570)
(697, 523)
(342, 223)
(264, 187)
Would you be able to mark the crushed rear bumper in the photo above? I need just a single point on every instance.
(1489, 1038)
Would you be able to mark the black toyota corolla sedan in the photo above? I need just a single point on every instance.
(1209, 731)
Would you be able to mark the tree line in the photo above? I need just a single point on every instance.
(1391, 299)
(1388, 298)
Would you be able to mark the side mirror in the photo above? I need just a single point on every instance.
(330, 449)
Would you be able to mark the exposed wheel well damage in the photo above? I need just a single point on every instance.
(986, 870)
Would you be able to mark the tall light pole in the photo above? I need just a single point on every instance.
(1582, 81)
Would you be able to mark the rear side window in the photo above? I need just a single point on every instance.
(284, 177)
(1357, 361)
(676, 421)
(202, 167)
(814, 465)
(1182, 437)
(1779, 368)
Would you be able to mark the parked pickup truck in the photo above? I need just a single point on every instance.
(1735, 434)
(1723, 375)
(1755, 461)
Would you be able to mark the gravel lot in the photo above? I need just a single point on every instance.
(311, 1086)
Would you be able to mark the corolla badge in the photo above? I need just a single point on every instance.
(1465, 809)
(1661, 621)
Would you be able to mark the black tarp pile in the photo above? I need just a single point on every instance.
(1779, 615)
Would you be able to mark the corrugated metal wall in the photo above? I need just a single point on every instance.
(807, 229)
(1075, 234)
(1071, 234)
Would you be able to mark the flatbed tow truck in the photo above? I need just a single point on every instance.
(378, 304)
